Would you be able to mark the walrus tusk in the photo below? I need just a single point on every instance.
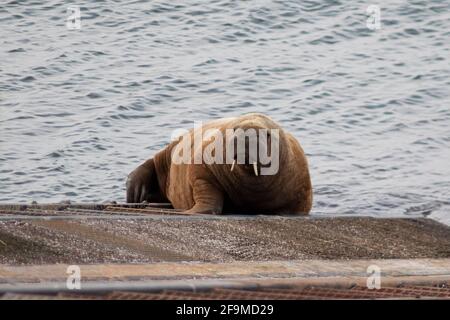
(255, 168)
(232, 166)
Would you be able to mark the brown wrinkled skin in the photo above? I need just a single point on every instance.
(215, 189)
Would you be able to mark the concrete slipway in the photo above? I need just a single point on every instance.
(150, 248)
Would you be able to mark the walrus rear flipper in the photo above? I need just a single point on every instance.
(142, 184)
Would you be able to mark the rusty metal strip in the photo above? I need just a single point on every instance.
(327, 292)
(280, 294)
(410, 291)
(74, 210)
(142, 210)
(239, 294)
(91, 210)
(93, 206)
(429, 289)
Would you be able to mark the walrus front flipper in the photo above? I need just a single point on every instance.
(142, 184)
(207, 197)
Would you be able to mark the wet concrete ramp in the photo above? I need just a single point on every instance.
(111, 233)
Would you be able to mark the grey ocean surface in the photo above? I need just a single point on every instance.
(81, 108)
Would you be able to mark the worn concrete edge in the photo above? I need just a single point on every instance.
(236, 275)
(237, 269)
(101, 206)
(106, 216)
(208, 284)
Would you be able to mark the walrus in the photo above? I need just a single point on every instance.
(235, 186)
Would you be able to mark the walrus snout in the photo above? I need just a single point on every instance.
(251, 167)
(255, 150)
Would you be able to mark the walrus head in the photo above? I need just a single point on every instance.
(256, 163)
(256, 145)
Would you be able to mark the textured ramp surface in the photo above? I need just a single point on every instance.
(103, 234)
